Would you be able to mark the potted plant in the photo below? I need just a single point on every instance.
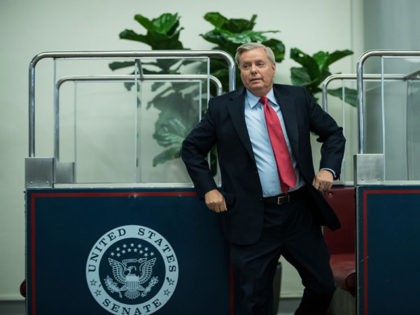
(315, 69)
(173, 122)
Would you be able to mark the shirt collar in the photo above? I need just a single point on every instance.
(254, 100)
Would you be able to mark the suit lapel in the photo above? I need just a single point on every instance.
(288, 110)
(237, 112)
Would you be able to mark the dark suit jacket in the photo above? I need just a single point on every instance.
(224, 125)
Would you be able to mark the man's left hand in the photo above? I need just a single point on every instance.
(323, 180)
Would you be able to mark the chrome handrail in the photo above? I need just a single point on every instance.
(144, 77)
(360, 77)
(112, 54)
(353, 76)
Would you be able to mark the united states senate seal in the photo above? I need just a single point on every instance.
(132, 270)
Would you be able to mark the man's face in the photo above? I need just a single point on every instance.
(257, 71)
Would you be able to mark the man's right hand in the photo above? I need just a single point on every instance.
(215, 201)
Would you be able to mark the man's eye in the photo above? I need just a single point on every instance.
(260, 64)
(246, 66)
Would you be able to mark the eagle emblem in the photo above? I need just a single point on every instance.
(133, 277)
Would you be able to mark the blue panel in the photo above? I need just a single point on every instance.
(388, 250)
(104, 251)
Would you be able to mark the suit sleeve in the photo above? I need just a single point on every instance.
(195, 150)
(329, 134)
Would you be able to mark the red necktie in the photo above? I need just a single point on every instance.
(281, 152)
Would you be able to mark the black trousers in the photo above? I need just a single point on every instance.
(289, 231)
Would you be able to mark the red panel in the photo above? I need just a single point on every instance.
(343, 240)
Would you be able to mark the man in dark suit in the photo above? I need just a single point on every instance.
(262, 219)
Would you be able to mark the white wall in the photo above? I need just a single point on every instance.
(29, 27)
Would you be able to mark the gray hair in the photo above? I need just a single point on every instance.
(249, 46)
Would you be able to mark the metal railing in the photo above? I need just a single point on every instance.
(114, 54)
(361, 77)
(112, 78)
(370, 168)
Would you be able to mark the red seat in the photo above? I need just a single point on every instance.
(343, 266)
(342, 243)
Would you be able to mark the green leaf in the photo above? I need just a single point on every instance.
(131, 35)
(350, 95)
(169, 130)
(240, 25)
(120, 64)
(300, 76)
(306, 61)
(167, 155)
(232, 25)
(166, 23)
(244, 37)
(278, 48)
(321, 59)
(216, 19)
(337, 55)
(325, 59)
(162, 32)
(144, 21)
